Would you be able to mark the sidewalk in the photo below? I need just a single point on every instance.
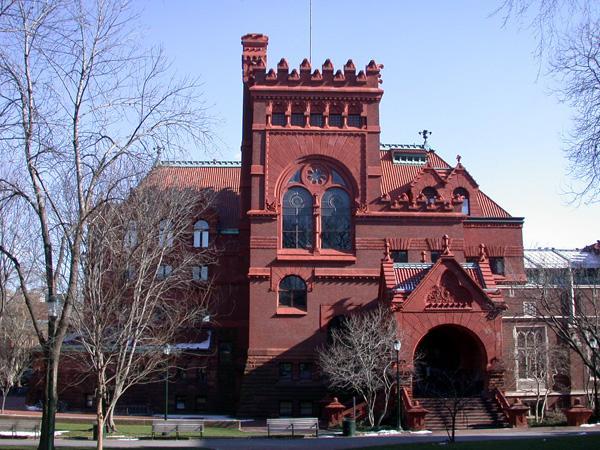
(326, 442)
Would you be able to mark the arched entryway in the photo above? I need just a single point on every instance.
(450, 360)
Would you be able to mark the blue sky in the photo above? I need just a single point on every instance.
(450, 67)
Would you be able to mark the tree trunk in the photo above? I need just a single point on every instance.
(99, 420)
(4, 395)
(50, 393)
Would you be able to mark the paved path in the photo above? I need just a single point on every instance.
(325, 443)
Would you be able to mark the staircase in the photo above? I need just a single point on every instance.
(475, 412)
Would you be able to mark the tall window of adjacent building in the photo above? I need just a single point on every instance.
(200, 273)
(292, 292)
(201, 234)
(297, 218)
(335, 220)
(165, 233)
(531, 352)
(465, 208)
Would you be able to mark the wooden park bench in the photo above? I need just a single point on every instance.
(293, 425)
(16, 425)
(177, 426)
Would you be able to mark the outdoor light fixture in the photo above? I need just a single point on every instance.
(167, 352)
(397, 346)
(54, 305)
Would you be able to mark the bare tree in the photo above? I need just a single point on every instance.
(17, 343)
(361, 357)
(138, 290)
(568, 35)
(84, 109)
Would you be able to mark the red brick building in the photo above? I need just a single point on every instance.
(320, 219)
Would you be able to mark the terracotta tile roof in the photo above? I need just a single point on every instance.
(221, 176)
(396, 178)
(409, 275)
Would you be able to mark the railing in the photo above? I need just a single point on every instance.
(515, 413)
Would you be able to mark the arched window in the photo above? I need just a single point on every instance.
(292, 292)
(466, 208)
(201, 234)
(430, 195)
(297, 218)
(335, 220)
(165, 233)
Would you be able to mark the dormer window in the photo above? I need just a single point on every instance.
(409, 158)
(465, 207)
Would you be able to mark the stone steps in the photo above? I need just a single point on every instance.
(474, 412)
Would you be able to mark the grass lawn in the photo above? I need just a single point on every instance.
(588, 442)
(83, 430)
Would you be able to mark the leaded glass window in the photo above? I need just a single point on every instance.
(292, 292)
(297, 218)
(335, 220)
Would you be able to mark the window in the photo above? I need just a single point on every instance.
(430, 195)
(335, 220)
(529, 309)
(165, 233)
(201, 377)
(278, 119)
(292, 292)
(298, 119)
(201, 234)
(89, 400)
(497, 265)
(164, 271)
(130, 239)
(354, 120)
(201, 403)
(465, 207)
(306, 371)
(399, 256)
(409, 158)
(316, 120)
(435, 255)
(297, 218)
(180, 402)
(285, 371)
(531, 353)
(306, 409)
(200, 273)
(335, 120)
(285, 408)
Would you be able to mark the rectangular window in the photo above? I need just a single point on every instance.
(278, 119)
(89, 400)
(306, 409)
(529, 309)
(201, 403)
(354, 120)
(164, 271)
(497, 265)
(306, 371)
(335, 120)
(400, 256)
(285, 371)
(179, 402)
(285, 408)
(200, 273)
(435, 255)
(297, 119)
(316, 120)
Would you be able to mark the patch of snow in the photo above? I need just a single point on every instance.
(10, 434)
(588, 425)
(204, 345)
(33, 408)
(383, 433)
(420, 432)
(127, 439)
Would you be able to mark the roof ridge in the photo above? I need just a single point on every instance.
(192, 163)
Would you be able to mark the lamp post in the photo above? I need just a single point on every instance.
(167, 352)
(595, 347)
(397, 346)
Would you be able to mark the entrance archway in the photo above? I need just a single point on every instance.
(449, 360)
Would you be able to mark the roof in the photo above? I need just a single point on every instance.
(409, 275)
(396, 178)
(223, 177)
(550, 258)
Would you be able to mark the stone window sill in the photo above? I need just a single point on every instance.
(290, 311)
